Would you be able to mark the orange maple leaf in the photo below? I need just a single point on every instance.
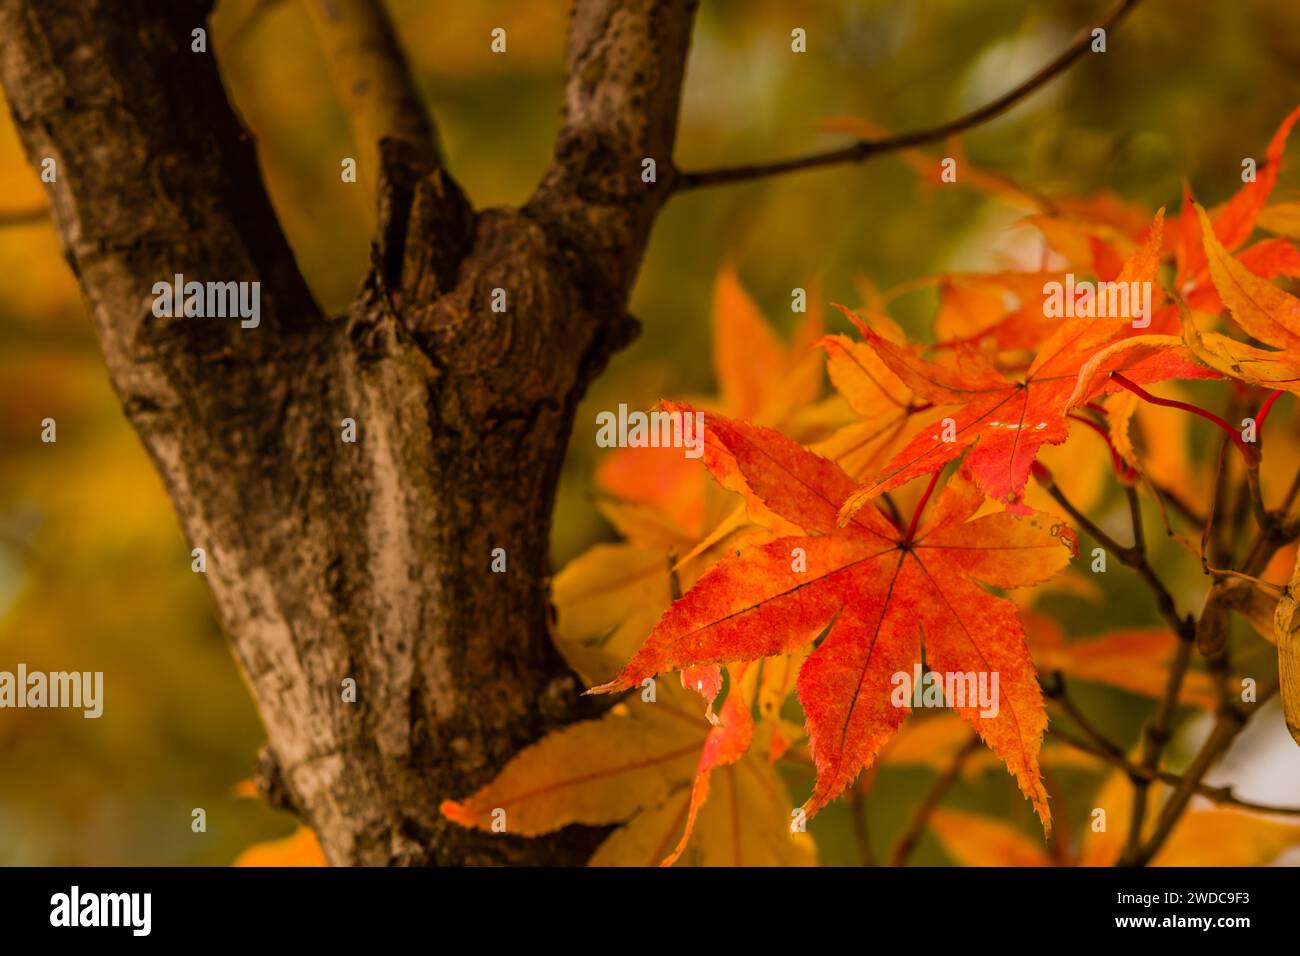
(1206, 836)
(1263, 310)
(759, 377)
(883, 405)
(1135, 659)
(1008, 421)
(648, 765)
(878, 586)
(1233, 222)
(300, 848)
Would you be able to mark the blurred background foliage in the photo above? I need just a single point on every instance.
(94, 572)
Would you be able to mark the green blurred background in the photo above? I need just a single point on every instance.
(94, 572)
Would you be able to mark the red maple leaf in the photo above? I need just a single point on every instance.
(1004, 422)
(878, 587)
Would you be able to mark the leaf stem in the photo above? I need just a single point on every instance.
(1264, 409)
(1247, 452)
(920, 506)
(892, 507)
(1122, 469)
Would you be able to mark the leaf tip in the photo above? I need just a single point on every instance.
(457, 813)
(852, 505)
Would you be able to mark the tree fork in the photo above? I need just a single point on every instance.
(368, 560)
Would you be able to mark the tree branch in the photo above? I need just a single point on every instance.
(1103, 748)
(1159, 730)
(865, 149)
(1223, 796)
(1230, 719)
(626, 60)
(373, 80)
(160, 194)
(349, 480)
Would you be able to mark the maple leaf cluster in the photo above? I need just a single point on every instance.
(828, 544)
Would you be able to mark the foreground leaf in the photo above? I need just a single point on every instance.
(878, 588)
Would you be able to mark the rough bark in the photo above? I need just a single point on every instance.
(329, 560)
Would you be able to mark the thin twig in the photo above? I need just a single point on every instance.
(858, 804)
(1179, 503)
(1230, 719)
(1291, 494)
(1225, 730)
(1135, 515)
(1134, 557)
(1055, 690)
(1262, 517)
(1247, 578)
(1044, 478)
(1274, 531)
(1212, 538)
(1220, 795)
(1159, 730)
(907, 842)
(863, 149)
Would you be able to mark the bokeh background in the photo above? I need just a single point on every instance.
(94, 572)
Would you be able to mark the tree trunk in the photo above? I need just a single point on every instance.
(369, 560)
